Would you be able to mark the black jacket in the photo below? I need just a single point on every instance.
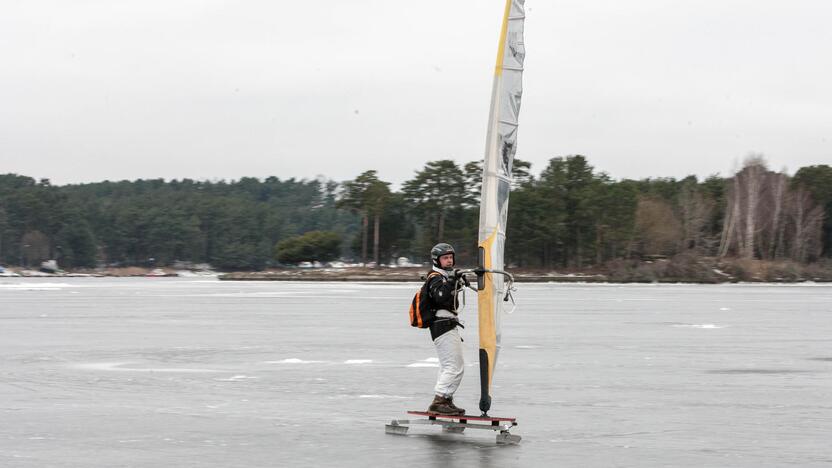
(443, 292)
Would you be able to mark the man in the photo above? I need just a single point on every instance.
(443, 285)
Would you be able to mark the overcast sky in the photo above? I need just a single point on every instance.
(204, 89)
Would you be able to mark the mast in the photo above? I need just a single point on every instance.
(501, 144)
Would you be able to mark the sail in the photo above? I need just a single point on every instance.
(501, 144)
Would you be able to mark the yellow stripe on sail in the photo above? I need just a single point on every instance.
(485, 300)
(501, 49)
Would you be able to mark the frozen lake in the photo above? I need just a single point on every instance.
(163, 372)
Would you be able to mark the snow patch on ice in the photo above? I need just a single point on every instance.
(429, 362)
(423, 364)
(703, 325)
(236, 378)
(381, 396)
(724, 308)
(358, 361)
(121, 367)
(293, 361)
(213, 407)
(527, 347)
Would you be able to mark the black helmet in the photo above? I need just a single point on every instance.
(439, 250)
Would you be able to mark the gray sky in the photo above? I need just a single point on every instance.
(106, 89)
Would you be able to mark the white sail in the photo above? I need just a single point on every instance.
(501, 145)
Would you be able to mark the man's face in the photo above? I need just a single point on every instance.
(446, 261)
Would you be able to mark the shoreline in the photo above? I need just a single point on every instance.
(644, 272)
(378, 279)
(517, 279)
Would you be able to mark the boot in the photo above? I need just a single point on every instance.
(441, 405)
(452, 405)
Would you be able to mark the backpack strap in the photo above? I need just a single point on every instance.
(432, 274)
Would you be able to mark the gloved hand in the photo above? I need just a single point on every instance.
(460, 276)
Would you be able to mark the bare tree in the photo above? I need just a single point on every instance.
(807, 221)
(753, 178)
(746, 205)
(766, 219)
(729, 226)
(696, 211)
(778, 183)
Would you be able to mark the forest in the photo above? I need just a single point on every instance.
(568, 215)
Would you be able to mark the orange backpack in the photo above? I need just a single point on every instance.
(422, 311)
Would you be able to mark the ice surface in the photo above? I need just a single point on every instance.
(194, 372)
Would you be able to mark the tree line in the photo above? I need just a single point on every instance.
(567, 215)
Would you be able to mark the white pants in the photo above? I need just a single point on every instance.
(451, 363)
